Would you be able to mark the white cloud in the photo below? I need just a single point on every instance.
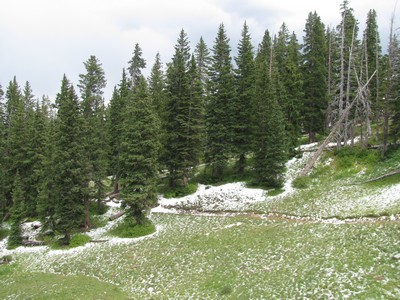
(43, 39)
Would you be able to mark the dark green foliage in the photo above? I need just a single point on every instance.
(203, 60)
(91, 85)
(157, 87)
(17, 214)
(244, 102)
(139, 153)
(79, 240)
(136, 64)
(372, 54)
(69, 162)
(179, 191)
(184, 122)
(314, 76)
(129, 228)
(294, 86)
(115, 127)
(270, 146)
(219, 110)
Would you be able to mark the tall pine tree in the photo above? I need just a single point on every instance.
(182, 154)
(139, 153)
(91, 85)
(243, 106)
(269, 145)
(314, 76)
(69, 162)
(136, 64)
(219, 110)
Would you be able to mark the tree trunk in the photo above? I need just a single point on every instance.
(241, 164)
(86, 203)
(116, 216)
(116, 185)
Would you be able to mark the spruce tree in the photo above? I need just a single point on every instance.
(136, 64)
(181, 124)
(203, 60)
(91, 85)
(373, 54)
(115, 127)
(269, 143)
(69, 166)
(243, 106)
(157, 87)
(314, 76)
(17, 213)
(219, 110)
(139, 153)
(294, 86)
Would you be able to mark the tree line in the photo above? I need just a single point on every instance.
(247, 113)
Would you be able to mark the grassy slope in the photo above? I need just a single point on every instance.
(336, 188)
(243, 257)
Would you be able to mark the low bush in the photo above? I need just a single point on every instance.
(79, 240)
(128, 228)
(180, 191)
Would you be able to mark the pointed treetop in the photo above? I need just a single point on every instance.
(136, 64)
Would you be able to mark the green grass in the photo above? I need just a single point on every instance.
(18, 284)
(129, 229)
(245, 258)
(335, 187)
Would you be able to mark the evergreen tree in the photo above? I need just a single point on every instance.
(219, 111)
(203, 60)
(115, 127)
(269, 133)
(158, 95)
(91, 85)
(157, 87)
(15, 238)
(47, 202)
(243, 106)
(294, 86)
(373, 53)
(136, 64)
(314, 76)
(139, 153)
(69, 166)
(29, 155)
(181, 152)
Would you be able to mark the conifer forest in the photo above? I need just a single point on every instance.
(237, 116)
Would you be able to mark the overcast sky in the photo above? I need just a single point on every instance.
(40, 40)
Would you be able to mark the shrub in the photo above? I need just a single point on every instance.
(79, 240)
(130, 229)
(180, 191)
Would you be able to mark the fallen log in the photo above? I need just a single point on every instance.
(98, 241)
(394, 172)
(116, 216)
(32, 243)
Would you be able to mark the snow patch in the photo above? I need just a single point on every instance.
(231, 196)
